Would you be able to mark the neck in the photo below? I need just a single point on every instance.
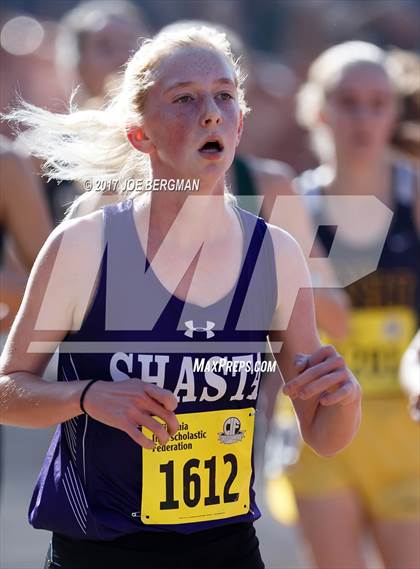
(190, 216)
(361, 177)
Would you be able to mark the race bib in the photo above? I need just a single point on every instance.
(374, 348)
(203, 473)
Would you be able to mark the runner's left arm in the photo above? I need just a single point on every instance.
(325, 394)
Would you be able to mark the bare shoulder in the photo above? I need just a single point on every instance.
(81, 246)
(91, 202)
(272, 175)
(285, 246)
(82, 237)
(291, 268)
(290, 261)
(66, 269)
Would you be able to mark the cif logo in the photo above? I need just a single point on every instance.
(232, 426)
(207, 329)
(231, 431)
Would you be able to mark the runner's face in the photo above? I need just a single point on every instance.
(361, 110)
(105, 50)
(193, 102)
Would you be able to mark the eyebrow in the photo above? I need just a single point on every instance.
(180, 84)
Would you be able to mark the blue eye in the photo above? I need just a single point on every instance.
(225, 96)
(183, 99)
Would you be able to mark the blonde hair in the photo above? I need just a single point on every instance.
(88, 145)
(322, 75)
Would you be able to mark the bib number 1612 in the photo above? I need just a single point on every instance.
(199, 479)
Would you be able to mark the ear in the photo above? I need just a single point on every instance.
(139, 139)
(240, 128)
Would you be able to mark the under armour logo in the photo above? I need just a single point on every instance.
(207, 329)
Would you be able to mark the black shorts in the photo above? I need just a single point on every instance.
(234, 546)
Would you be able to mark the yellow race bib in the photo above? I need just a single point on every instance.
(373, 350)
(203, 473)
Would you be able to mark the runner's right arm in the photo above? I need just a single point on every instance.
(58, 292)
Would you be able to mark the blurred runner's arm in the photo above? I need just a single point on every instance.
(24, 216)
(23, 209)
(325, 394)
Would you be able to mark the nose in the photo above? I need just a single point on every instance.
(363, 114)
(211, 114)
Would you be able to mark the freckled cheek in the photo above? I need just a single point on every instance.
(177, 135)
(172, 131)
(175, 141)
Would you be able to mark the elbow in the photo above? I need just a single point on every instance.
(329, 452)
(327, 449)
(323, 448)
(329, 443)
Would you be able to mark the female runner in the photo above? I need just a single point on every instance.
(350, 106)
(165, 303)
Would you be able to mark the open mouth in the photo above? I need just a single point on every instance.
(211, 147)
